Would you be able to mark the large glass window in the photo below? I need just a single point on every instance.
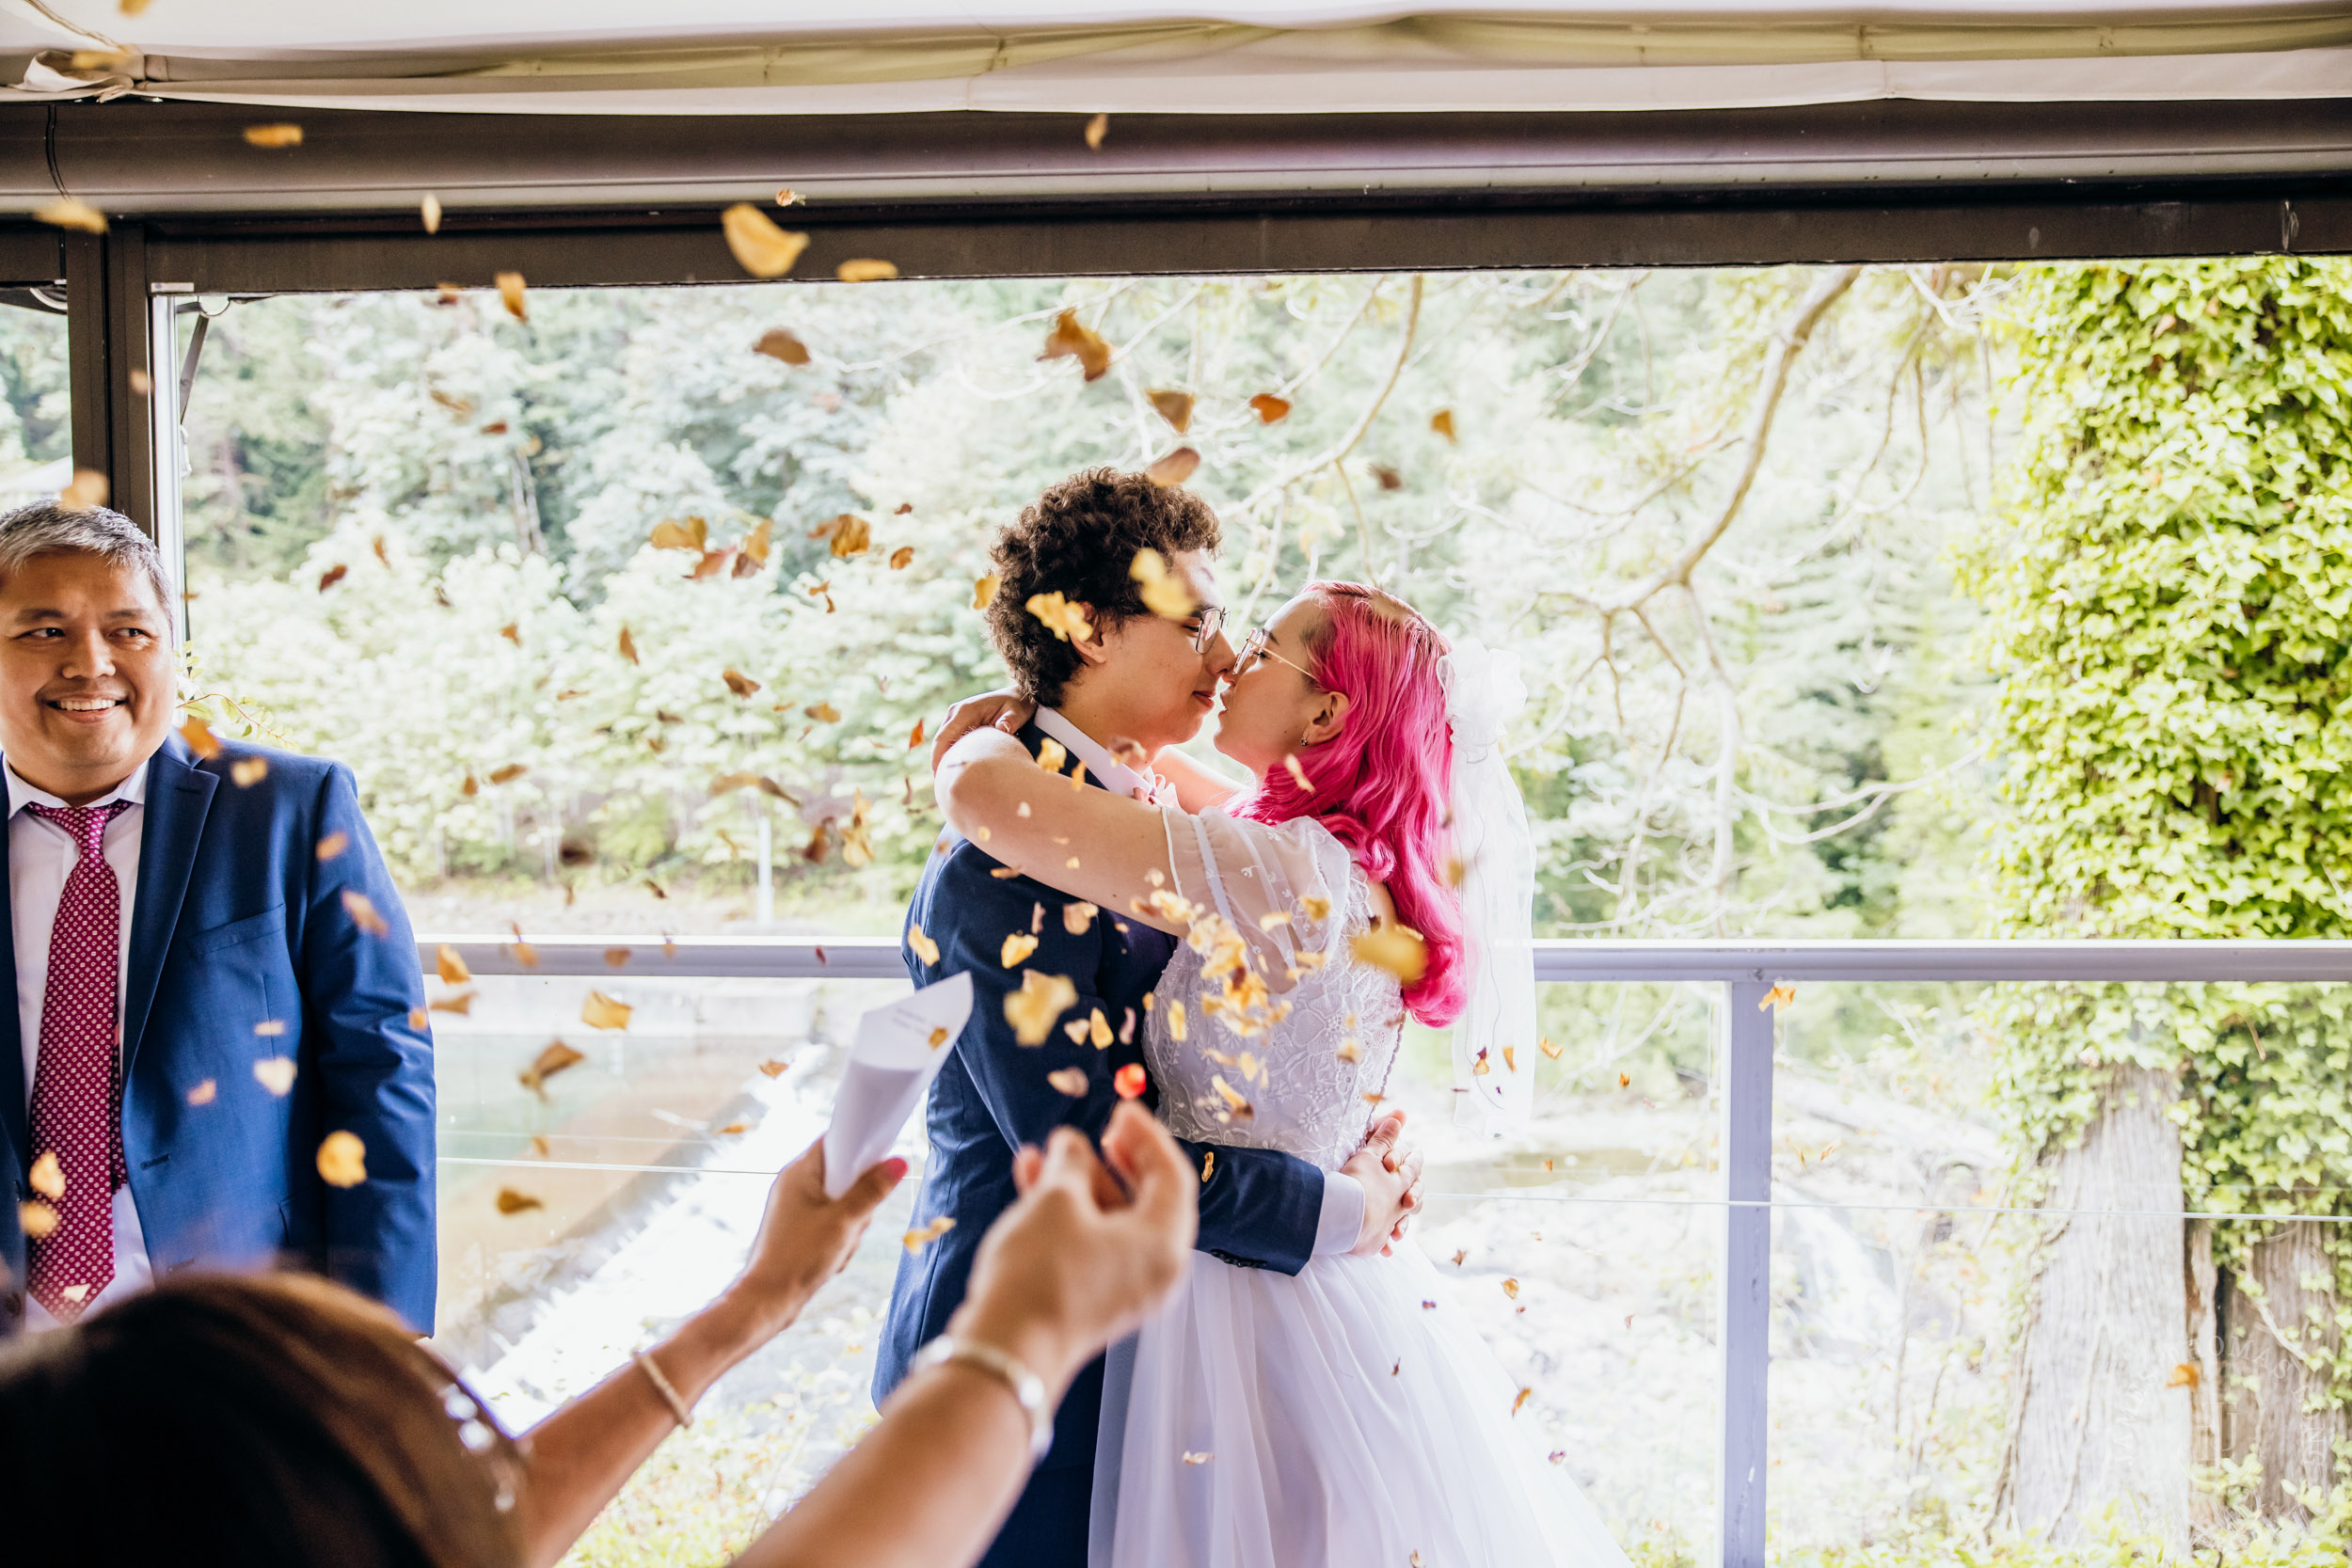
(626, 606)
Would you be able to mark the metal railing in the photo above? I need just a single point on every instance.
(1747, 971)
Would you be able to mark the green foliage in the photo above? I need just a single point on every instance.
(2168, 609)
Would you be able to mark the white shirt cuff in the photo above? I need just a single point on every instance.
(1343, 1218)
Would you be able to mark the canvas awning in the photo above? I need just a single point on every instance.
(1302, 56)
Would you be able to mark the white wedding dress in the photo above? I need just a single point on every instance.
(1347, 1416)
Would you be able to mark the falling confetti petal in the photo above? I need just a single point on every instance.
(602, 1012)
(47, 1176)
(1129, 1081)
(199, 738)
(922, 946)
(69, 214)
(866, 269)
(1077, 918)
(1074, 338)
(760, 248)
(204, 1093)
(1067, 622)
(275, 1073)
(511, 295)
(781, 344)
(774, 1069)
(1174, 468)
(553, 1059)
(1042, 1000)
(984, 590)
(363, 913)
(513, 1202)
(343, 1160)
(248, 771)
(1097, 128)
(38, 1220)
(1069, 1080)
(1398, 949)
(273, 136)
(1270, 409)
(1199, 1458)
(1018, 945)
(1443, 423)
(627, 645)
(1165, 594)
(915, 1241)
(429, 211)
(1511, 1289)
(1524, 1395)
(1175, 407)
(1779, 996)
(332, 576)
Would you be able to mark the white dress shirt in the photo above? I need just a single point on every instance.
(40, 856)
(1343, 1216)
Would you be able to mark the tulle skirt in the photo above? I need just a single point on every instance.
(1344, 1416)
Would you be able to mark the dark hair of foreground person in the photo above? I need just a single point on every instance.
(285, 1421)
(271, 1422)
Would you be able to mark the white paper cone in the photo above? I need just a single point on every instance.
(893, 1062)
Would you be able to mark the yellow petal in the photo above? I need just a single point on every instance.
(780, 342)
(922, 946)
(47, 1176)
(1069, 1080)
(429, 211)
(1173, 468)
(273, 136)
(247, 771)
(511, 293)
(1042, 1000)
(275, 1073)
(760, 248)
(513, 1202)
(66, 212)
(343, 1160)
(984, 590)
(603, 1012)
(1395, 948)
(1018, 945)
(866, 269)
(363, 913)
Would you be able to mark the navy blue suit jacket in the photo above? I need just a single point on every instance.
(1259, 1208)
(238, 923)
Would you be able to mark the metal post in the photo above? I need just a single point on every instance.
(111, 327)
(766, 869)
(1743, 1329)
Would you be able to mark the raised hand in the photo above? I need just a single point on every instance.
(1003, 710)
(805, 1237)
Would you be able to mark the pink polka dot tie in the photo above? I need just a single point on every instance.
(77, 1090)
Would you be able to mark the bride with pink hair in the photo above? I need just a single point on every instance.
(1375, 865)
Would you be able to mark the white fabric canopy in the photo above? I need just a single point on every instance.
(736, 56)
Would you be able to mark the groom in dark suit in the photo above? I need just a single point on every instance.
(1136, 680)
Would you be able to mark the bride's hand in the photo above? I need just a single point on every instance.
(998, 710)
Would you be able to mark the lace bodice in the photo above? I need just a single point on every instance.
(1287, 1067)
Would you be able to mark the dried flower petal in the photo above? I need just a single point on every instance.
(1398, 949)
(247, 771)
(273, 136)
(1072, 337)
(1077, 917)
(1175, 407)
(773, 1069)
(275, 1074)
(204, 1093)
(343, 1160)
(1198, 1458)
(1511, 1289)
(984, 590)
(363, 913)
(1097, 128)
(603, 1012)
(66, 212)
(37, 1221)
(739, 683)
(922, 946)
(1018, 945)
(1069, 1080)
(429, 211)
(1129, 1081)
(553, 1059)
(902, 557)
(1549, 1048)
(760, 248)
(513, 1202)
(779, 342)
(915, 1241)
(866, 269)
(1165, 594)
(451, 965)
(199, 737)
(47, 1176)
(511, 295)
(1443, 423)
(1173, 468)
(1270, 409)
(627, 645)
(1034, 1008)
(1067, 622)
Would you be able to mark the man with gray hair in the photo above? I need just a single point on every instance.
(221, 1058)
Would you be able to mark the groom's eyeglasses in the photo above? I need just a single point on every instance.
(1204, 626)
(1254, 647)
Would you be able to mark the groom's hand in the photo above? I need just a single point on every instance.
(1391, 1177)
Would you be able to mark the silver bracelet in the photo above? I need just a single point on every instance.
(662, 1385)
(1027, 1385)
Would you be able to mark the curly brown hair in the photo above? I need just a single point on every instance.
(1079, 538)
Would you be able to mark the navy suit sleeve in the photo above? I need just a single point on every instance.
(1259, 1208)
(373, 1067)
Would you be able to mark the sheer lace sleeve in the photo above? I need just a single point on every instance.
(1285, 888)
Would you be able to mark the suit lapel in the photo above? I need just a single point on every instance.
(178, 796)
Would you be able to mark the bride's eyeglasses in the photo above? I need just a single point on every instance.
(1255, 648)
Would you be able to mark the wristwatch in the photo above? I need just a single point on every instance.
(1027, 1385)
